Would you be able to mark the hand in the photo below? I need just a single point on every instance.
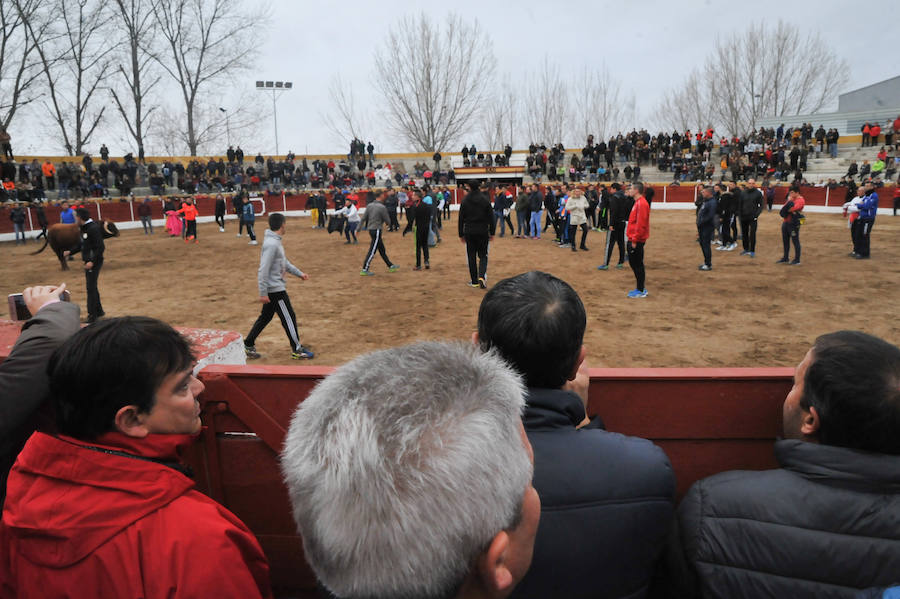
(38, 297)
(66, 253)
(264, 299)
(304, 277)
(491, 238)
(88, 265)
(580, 384)
(462, 239)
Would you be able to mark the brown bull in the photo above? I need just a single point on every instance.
(63, 236)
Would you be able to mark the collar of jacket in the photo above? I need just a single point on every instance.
(552, 408)
(840, 466)
(152, 447)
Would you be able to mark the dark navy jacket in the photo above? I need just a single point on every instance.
(606, 504)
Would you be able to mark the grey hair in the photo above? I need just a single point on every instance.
(400, 477)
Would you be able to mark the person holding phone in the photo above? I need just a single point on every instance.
(23, 380)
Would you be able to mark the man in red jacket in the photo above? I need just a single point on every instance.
(104, 509)
(638, 231)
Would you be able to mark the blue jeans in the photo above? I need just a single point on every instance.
(536, 224)
(498, 214)
(349, 230)
(20, 231)
(520, 220)
(832, 150)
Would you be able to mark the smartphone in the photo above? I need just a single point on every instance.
(19, 311)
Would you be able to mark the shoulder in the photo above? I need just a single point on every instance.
(605, 464)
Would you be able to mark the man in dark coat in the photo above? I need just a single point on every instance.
(476, 230)
(91, 249)
(607, 500)
(825, 523)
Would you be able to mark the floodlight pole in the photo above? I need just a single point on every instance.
(227, 125)
(276, 87)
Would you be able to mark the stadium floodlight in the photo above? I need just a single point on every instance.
(276, 87)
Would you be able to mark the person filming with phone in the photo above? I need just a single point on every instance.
(24, 385)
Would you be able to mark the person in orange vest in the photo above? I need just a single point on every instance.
(9, 189)
(189, 210)
(50, 174)
(866, 130)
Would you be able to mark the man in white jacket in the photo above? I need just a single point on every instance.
(273, 265)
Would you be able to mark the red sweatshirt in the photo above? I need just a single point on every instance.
(639, 221)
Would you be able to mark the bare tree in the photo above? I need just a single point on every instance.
(432, 79)
(689, 106)
(17, 64)
(772, 71)
(345, 118)
(136, 67)
(546, 107)
(74, 58)
(205, 41)
(500, 115)
(167, 135)
(598, 107)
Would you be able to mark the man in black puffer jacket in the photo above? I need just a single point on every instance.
(824, 525)
(606, 499)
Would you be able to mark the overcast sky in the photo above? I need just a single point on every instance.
(648, 46)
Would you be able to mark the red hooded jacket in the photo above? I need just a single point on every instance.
(79, 522)
(639, 221)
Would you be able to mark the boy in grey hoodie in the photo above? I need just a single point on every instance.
(273, 265)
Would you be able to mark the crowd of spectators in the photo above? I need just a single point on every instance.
(771, 154)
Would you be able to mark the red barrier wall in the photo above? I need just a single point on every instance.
(707, 420)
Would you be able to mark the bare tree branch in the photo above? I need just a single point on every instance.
(500, 116)
(432, 79)
(546, 105)
(18, 68)
(205, 42)
(345, 117)
(135, 69)
(75, 58)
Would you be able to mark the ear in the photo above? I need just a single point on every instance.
(493, 572)
(811, 423)
(581, 355)
(129, 421)
(476, 340)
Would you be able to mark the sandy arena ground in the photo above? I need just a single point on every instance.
(746, 312)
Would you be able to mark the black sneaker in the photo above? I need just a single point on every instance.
(251, 352)
(782, 261)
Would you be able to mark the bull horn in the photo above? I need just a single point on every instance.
(106, 227)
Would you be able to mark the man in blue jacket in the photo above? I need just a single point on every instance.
(868, 209)
(606, 499)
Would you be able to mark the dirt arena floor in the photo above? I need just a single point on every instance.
(745, 312)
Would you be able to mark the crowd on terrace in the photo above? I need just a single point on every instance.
(771, 154)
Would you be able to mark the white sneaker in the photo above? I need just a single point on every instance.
(221, 229)
(238, 234)
(252, 242)
(730, 247)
